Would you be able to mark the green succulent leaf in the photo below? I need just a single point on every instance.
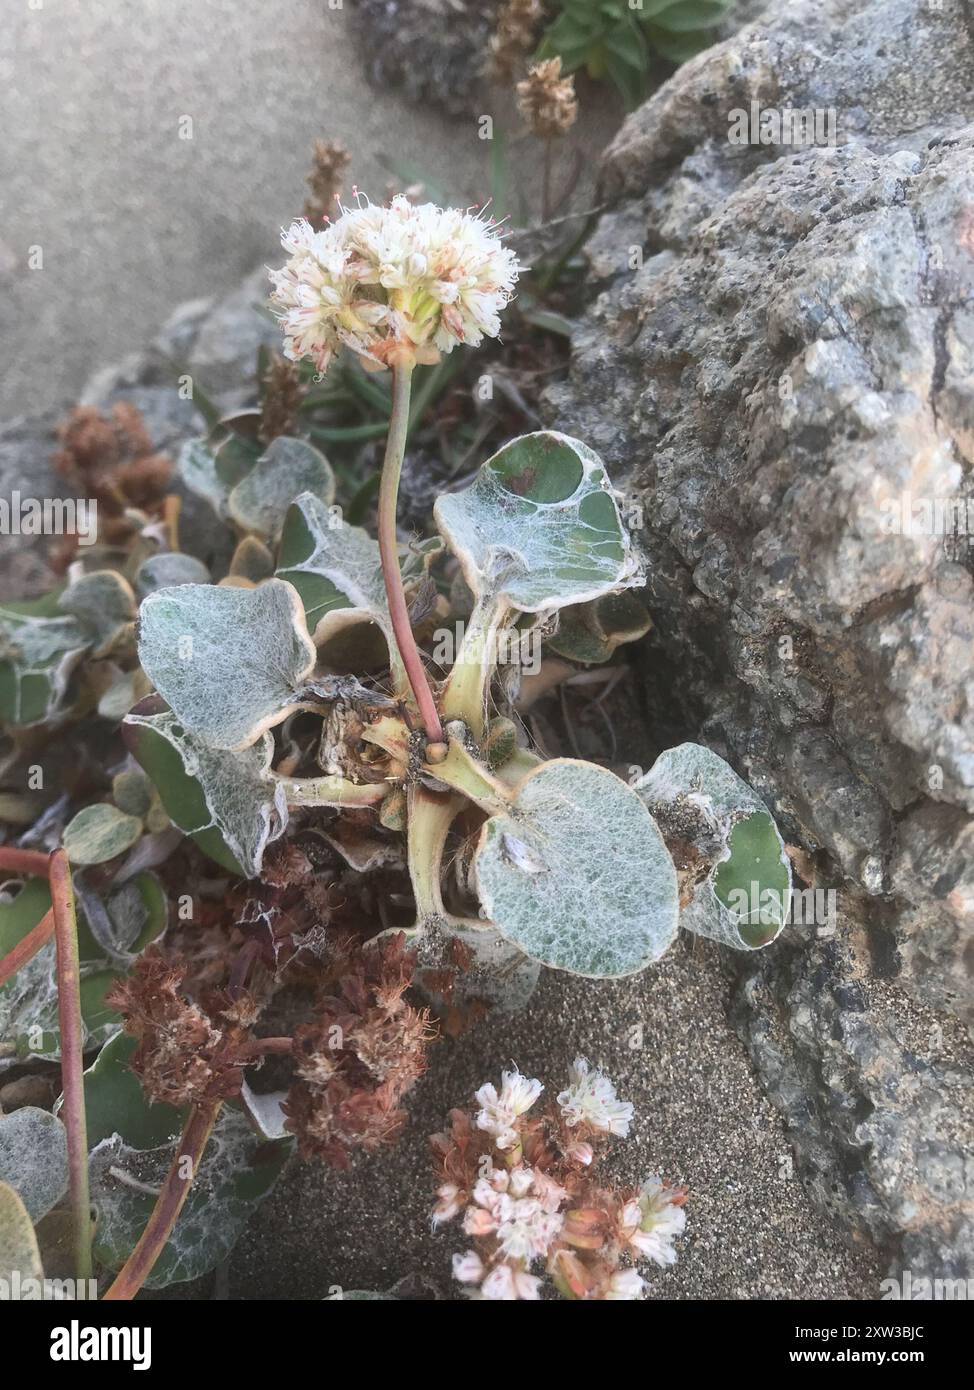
(104, 605)
(28, 1000)
(198, 470)
(539, 527)
(166, 570)
(334, 567)
(576, 874)
(18, 1244)
(288, 468)
(133, 1147)
(230, 662)
(738, 870)
(99, 833)
(591, 632)
(34, 1158)
(227, 802)
(37, 657)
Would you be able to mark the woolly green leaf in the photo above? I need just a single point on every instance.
(34, 1158)
(166, 570)
(231, 663)
(227, 802)
(591, 632)
(99, 833)
(577, 875)
(539, 526)
(18, 1244)
(37, 656)
(734, 858)
(28, 1000)
(288, 468)
(133, 1147)
(198, 470)
(334, 567)
(104, 605)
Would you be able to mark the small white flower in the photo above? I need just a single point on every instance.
(448, 1204)
(389, 282)
(656, 1219)
(506, 1284)
(580, 1153)
(499, 1285)
(625, 1286)
(498, 1113)
(468, 1268)
(591, 1098)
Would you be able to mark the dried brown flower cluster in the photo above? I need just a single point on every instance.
(282, 394)
(547, 100)
(330, 161)
(186, 1055)
(111, 458)
(514, 37)
(355, 1062)
(529, 1193)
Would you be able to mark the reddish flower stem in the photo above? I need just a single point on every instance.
(24, 861)
(165, 1213)
(389, 553)
(72, 1056)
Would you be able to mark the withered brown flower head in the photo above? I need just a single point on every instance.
(547, 100)
(183, 1057)
(111, 458)
(514, 37)
(282, 395)
(330, 161)
(364, 1050)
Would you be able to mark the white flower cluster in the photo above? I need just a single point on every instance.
(402, 282)
(523, 1215)
(591, 1098)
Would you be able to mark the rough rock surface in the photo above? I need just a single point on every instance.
(776, 362)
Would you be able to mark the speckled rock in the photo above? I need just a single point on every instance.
(776, 362)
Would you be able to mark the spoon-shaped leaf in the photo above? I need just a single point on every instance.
(227, 802)
(577, 874)
(231, 663)
(737, 876)
(539, 526)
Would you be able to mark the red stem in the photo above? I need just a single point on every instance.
(165, 1213)
(389, 554)
(27, 947)
(72, 1056)
(24, 861)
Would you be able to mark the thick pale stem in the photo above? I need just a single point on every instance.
(72, 1058)
(465, 695)
(179, 1179)
(461, 771)
(430, 816)
(389, 552)
(331, 791)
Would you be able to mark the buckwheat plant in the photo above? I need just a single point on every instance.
(526, 1184)
(559, 862)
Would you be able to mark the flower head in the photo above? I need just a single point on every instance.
(498, 1112)
(591, 1099)
(654, 1219)
(396, 283)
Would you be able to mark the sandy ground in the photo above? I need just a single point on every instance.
(700, 1119)
(130, 217)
